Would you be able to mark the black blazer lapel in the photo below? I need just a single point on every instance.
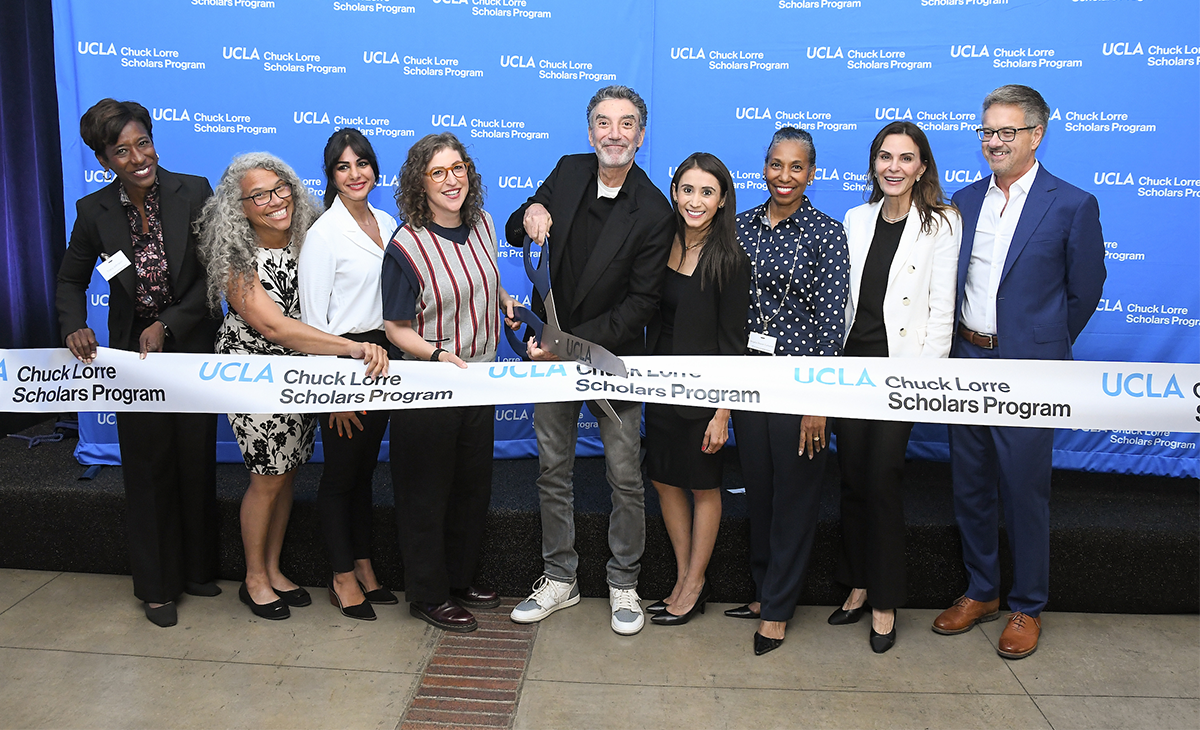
(612, 237)
(173, 208)
(113, 225)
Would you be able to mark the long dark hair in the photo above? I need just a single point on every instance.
(410, 193)
(337, 144)
(721, 252)
(927, 192)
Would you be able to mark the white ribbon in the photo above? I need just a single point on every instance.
(1050, 394)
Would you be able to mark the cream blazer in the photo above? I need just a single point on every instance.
(918, 307)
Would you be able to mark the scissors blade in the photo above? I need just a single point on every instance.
(569, 347)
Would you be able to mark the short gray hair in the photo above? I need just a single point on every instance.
(618, 92)
(799, 136)
(228, 246)
(1033, 106)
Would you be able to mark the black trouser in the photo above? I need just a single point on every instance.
(871, 457)
(169, 463)
(783, 494)
(442, 476)
(344, 496)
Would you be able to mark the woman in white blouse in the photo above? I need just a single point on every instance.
(903, 266)
(339, 294)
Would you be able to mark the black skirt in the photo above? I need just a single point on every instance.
(673, 450)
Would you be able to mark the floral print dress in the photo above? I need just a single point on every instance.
(275, 443)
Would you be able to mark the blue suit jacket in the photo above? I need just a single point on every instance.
(1053, 275)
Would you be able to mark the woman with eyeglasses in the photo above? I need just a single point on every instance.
(903, 263)
(339, 294)
(251, 231)
(441, 304)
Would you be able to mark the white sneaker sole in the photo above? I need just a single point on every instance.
(533, 619)
(616, 627)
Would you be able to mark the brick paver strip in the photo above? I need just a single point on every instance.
(474, 680)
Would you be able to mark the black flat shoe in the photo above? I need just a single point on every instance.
(666, 618)
(164, 616)
(362, 611)
(275, 610)
(656, 608)
(472, 597)
(208, 590)
(882, 642)
(843, 617)
(380, 596)
(742, 612)
(762, 644)
(296, 598)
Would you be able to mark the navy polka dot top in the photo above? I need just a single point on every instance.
(800, 280)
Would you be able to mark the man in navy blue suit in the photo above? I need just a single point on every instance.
(1030, 273)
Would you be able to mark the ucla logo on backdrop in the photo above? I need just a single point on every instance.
(99, 176)
(1121, 48)
(753, 112)
(515, 181)
(380, 57)
(963, 176)
(517, 61)
(512, 414)
(821, 173)
(687, 53)
(825, 52)
(239, 53)
(96, 48)
(893, 113)
(1138, 385)
(1113, 178)
(98, 300)
(310, 117)
(448, 120)
(388, 182)
(1104, 305)
(969, 51)
(170, 115)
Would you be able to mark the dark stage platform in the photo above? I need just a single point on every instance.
(1124, 544)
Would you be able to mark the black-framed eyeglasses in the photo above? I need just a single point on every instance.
(438, 174)
(282, 191)
(1007, 134)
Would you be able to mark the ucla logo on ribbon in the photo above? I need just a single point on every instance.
(826, 376)
(1139, 385)
(523, 370)
(229, 372)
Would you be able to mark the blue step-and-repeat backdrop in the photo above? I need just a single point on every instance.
(512, 79)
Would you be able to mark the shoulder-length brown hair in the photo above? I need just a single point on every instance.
(411, 202)
(927, 192)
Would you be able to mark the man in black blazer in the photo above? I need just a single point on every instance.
(157, 303)
(612, 234)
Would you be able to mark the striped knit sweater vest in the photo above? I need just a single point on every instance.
(459, 305)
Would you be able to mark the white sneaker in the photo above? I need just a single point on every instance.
(627, 616)
(548, 596)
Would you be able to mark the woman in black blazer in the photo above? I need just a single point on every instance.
(156, 304)
(702, 311)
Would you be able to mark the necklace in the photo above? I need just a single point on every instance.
(695, 245)
(892, 220)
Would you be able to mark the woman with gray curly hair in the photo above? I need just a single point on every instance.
(251, 231)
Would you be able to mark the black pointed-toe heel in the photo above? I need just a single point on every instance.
(275, 610)
(882, 642)
(762, 644)
(843, 617)
(296, 598)
(666, 618)
(163, 616)
(656, 608)
(380, 596)
(742, 612)
(361, 611)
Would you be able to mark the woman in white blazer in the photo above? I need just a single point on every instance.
(339, 286)
(903, 270)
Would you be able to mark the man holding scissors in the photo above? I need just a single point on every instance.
(612, 233)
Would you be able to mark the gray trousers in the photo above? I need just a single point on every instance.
(556, 426)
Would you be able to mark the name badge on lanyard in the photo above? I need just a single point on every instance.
(761, 343)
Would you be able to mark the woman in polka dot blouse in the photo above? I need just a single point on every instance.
(800, 273)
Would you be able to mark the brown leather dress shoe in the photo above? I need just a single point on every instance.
(964, 614)
(1020, 638)
(448, 616)
(472, 597)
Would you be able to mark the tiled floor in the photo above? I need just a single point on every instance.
(75, 651)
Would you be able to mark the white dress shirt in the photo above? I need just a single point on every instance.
(339, 272)
(993, 235)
